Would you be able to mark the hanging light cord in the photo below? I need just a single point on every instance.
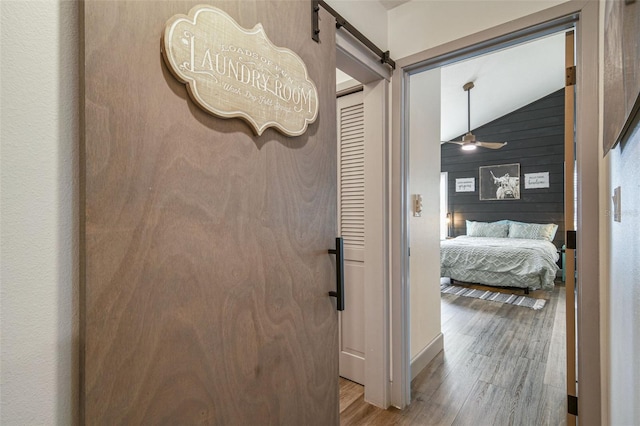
(469, 110)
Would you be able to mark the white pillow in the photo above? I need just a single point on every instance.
(485, 229)
(533, 231)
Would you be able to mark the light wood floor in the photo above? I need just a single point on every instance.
(502, 365)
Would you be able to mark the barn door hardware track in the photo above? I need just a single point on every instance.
(343, 23)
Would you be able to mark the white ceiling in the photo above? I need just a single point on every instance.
(504, 81)
(390, 4)
(342, 77)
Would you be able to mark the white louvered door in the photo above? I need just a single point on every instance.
(351, 228)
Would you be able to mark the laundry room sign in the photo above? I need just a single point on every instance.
(234, 72)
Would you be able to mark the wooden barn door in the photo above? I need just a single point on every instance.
(204, 266)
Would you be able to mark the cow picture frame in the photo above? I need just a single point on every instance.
(500, 182)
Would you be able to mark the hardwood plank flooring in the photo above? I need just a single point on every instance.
(349, 393)
(502, 365)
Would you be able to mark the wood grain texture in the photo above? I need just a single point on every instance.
(501, 365)
(205, 258)
(613, 76)
(621, 78)
(535, 141)
(349, 393)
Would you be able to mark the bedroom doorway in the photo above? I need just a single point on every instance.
(586, 154)
(475, 329)
(532, 130)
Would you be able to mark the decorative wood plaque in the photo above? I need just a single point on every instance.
(621, 70)
(233, 72)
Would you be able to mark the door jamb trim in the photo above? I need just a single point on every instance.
(351, 57)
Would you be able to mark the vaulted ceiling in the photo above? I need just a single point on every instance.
(504, 81)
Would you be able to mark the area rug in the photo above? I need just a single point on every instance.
(512, 299)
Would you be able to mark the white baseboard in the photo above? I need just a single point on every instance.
(426, 355)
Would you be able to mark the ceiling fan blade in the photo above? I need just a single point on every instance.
(491, 145)
(456, 142)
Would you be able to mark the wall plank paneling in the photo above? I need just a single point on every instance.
(204, 272)
(535, 136)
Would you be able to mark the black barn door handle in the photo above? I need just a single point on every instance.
(339, 293)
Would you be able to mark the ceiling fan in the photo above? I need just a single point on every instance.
(469, 141)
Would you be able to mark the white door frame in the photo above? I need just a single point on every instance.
(357, 61)
(444, 202)
(588, 154)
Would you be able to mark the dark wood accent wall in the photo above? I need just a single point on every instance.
(535, 140)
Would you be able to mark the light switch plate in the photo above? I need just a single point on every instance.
(417, 205)
(617, 205)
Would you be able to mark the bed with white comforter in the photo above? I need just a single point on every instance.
(504, 262)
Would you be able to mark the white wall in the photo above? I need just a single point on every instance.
(420, 25)
(424, 231)
(39, 135)
(624, 291)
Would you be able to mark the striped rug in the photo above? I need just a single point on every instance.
(512, 299)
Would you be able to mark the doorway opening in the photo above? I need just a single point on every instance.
(351, 227)
(531, 27)
(363, 209)
(483, 337)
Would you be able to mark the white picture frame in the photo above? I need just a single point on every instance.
(536, 180)
(466, 184)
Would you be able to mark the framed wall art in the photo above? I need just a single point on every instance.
(465, 184)
(536, 180)
(500, 182)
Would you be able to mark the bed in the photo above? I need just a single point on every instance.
(510, 254)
